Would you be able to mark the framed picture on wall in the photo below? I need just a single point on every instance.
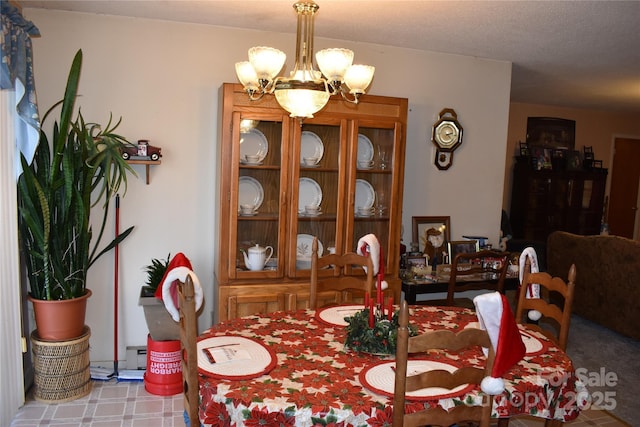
(551, 132)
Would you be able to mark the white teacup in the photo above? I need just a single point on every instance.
(310, 161)
(247, 209)
(365, 164)
(252, 159)
(363, 211)
(312, 209)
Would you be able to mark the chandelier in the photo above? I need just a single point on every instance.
(306, 91)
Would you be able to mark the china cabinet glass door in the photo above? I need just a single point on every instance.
(318, 165)
(375, 206)
(260, 174)
(344, 175)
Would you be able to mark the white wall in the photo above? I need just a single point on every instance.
(163, 79)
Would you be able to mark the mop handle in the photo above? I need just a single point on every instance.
(115, 285)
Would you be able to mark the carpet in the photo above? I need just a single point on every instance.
(609, 365)
(588, 418)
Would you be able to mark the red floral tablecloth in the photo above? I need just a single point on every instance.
(315, 381)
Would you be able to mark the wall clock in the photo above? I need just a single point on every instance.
(443, 159)
(446, 135)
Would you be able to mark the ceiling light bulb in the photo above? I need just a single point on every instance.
(334, 63)
(247, 75)
(266, 61)
(303, 103)
(358, 77)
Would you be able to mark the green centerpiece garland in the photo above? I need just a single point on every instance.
(380, 339)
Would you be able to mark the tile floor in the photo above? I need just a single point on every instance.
(128, 404)
(110, 404)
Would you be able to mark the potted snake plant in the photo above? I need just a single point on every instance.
(79, 167)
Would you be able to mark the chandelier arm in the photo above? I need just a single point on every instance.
(266, 85)
(334, 86)
(255, 95)
(355, 100)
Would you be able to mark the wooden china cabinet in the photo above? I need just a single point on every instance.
(262, 164)
(544, 201)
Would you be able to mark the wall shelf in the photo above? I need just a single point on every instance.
(147, 163)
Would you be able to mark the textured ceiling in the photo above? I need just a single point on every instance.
(583, 54)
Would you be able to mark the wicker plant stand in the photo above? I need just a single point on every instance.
(62, 368)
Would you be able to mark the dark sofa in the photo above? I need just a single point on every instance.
(607, 278)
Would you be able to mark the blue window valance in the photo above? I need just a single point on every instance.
(16, 72)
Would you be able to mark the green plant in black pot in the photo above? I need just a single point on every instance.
(155, 271)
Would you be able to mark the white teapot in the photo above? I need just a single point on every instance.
(257, 257)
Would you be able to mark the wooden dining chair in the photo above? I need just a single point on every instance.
(441, 340)
(482, 270)
(188, 333)
(555, 302)
(335, 278)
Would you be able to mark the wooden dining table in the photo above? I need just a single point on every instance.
(303, 375)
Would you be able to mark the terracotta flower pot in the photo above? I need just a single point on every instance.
(60, 320)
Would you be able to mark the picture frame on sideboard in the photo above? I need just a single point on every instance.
(462, 247)
(421, 224)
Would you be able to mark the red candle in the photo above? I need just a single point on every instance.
(371, 314)
(366, 299)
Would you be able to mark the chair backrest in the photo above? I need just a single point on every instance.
(346, 275)
(554, 304)
(442, 340)
(188, 333)
(485, 269)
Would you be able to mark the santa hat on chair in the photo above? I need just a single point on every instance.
(370, 246)
(533, 289)
(495, 316)
(178, 269)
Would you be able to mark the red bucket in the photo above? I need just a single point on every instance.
(164, 367)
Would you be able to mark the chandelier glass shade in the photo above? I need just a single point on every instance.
(307, 90)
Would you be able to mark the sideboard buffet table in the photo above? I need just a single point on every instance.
(412, 287)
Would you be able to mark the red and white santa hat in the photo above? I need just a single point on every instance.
(495, 316)
(533, 289)
(178, 269)
(370, 246)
